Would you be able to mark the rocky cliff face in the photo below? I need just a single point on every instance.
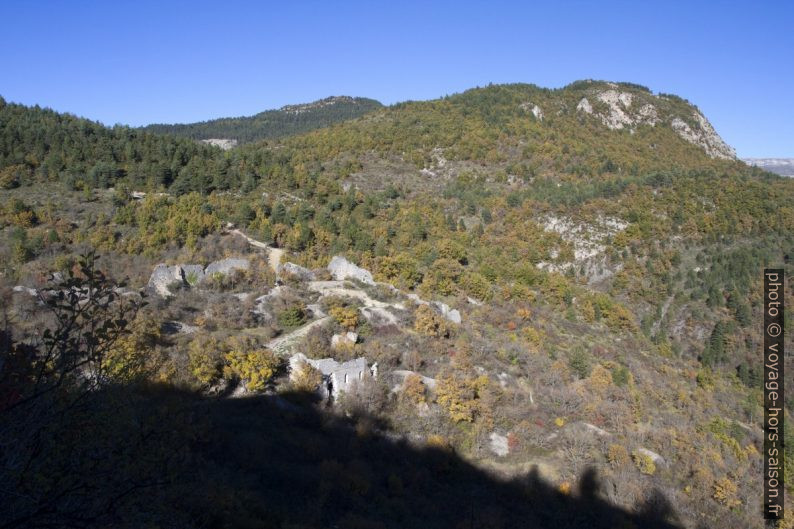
(619, 108)
(704, 136)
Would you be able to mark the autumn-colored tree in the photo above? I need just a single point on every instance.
(600, 379)
(305, 377)
(399, 269)
(513, 442)
(449, 249)
(413, 389)
(644, 462)
(347, 317)
(429, 323)
(11, 176)
(461, 396)
(726, 492)
(443, 277)
(204, 359)
(133, 356)
(255, 367)
(617, 455)
(523, 313)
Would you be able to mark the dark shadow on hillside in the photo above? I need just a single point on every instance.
(275, 462)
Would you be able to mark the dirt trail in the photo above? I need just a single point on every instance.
(274, 255)
(337, 288)
(283, 344)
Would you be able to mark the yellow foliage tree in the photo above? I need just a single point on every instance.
(133, 355)
(306, 377)
(203, 361)
(725, 492)
(523, 313)
(429, 323)
(617, 455)
(254, 367)
(644, 462)
(413, 389)
(476, 285)
(442, 278)
(347, 317)
(461, 397)
(600, 379)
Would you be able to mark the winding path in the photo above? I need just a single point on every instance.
(282, 344)
(274, 255)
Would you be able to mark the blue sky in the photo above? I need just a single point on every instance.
(143, 62)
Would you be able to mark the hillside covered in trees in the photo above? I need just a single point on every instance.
(600, 242)
(273, 124)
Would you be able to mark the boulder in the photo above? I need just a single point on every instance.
(227, 266)
(581, 428)
(656, 458)
(304, 274)
(499, 444)
(378, 316)
(348, 338)
(450, 314)
(402, 374)
(163, 276)
(316, 310)
(442, 308)
(177, 327)
(193, 274)
(341, 269)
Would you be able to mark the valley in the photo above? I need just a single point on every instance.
(546, 301)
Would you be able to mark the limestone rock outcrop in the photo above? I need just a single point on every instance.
(341, 269)
(164, 277)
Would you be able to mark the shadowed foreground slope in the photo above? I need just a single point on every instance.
(164, 458)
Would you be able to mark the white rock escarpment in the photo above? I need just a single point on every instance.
(704, 136)
(627, 110)
(589, 241)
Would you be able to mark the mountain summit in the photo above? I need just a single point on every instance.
(629, 106)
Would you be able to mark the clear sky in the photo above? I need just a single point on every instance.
(158, 61)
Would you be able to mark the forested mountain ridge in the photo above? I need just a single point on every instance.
(272, 124)
(587, 129)
(603, 255)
